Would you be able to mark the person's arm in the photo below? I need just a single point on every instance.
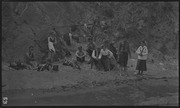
(110, 54)
(138, 50)
(77, 53)
(93, 54)
(145, 52)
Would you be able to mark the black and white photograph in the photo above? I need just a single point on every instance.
(90, 53)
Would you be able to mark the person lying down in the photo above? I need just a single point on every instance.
(68, 61)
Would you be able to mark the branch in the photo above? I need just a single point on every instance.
(26, 7)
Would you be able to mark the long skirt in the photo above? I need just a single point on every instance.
(141, 65)
(97, 63)
(105, 63)
(123, 59)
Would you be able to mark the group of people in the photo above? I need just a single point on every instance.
(106, 57)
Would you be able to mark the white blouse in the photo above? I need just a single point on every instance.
(105, 52)
(144, 51)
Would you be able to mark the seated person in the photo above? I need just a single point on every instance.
(80, 55)
(18, 65)
(29, 58)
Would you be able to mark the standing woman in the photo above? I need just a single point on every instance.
(105, 56)
(123, 53)
(51, 41)
(142, 52)
(90, 47)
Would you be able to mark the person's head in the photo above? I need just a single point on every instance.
(31, 48)
(52, 33)
(80, 48)
(103, 47)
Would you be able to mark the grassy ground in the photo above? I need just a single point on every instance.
(68, 80)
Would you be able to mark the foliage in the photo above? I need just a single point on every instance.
(155, 22)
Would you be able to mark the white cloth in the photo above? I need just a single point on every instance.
(105, 52)
(51, 45)
(93, 54)
(144, 51)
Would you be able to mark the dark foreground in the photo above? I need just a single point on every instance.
(156, 92)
